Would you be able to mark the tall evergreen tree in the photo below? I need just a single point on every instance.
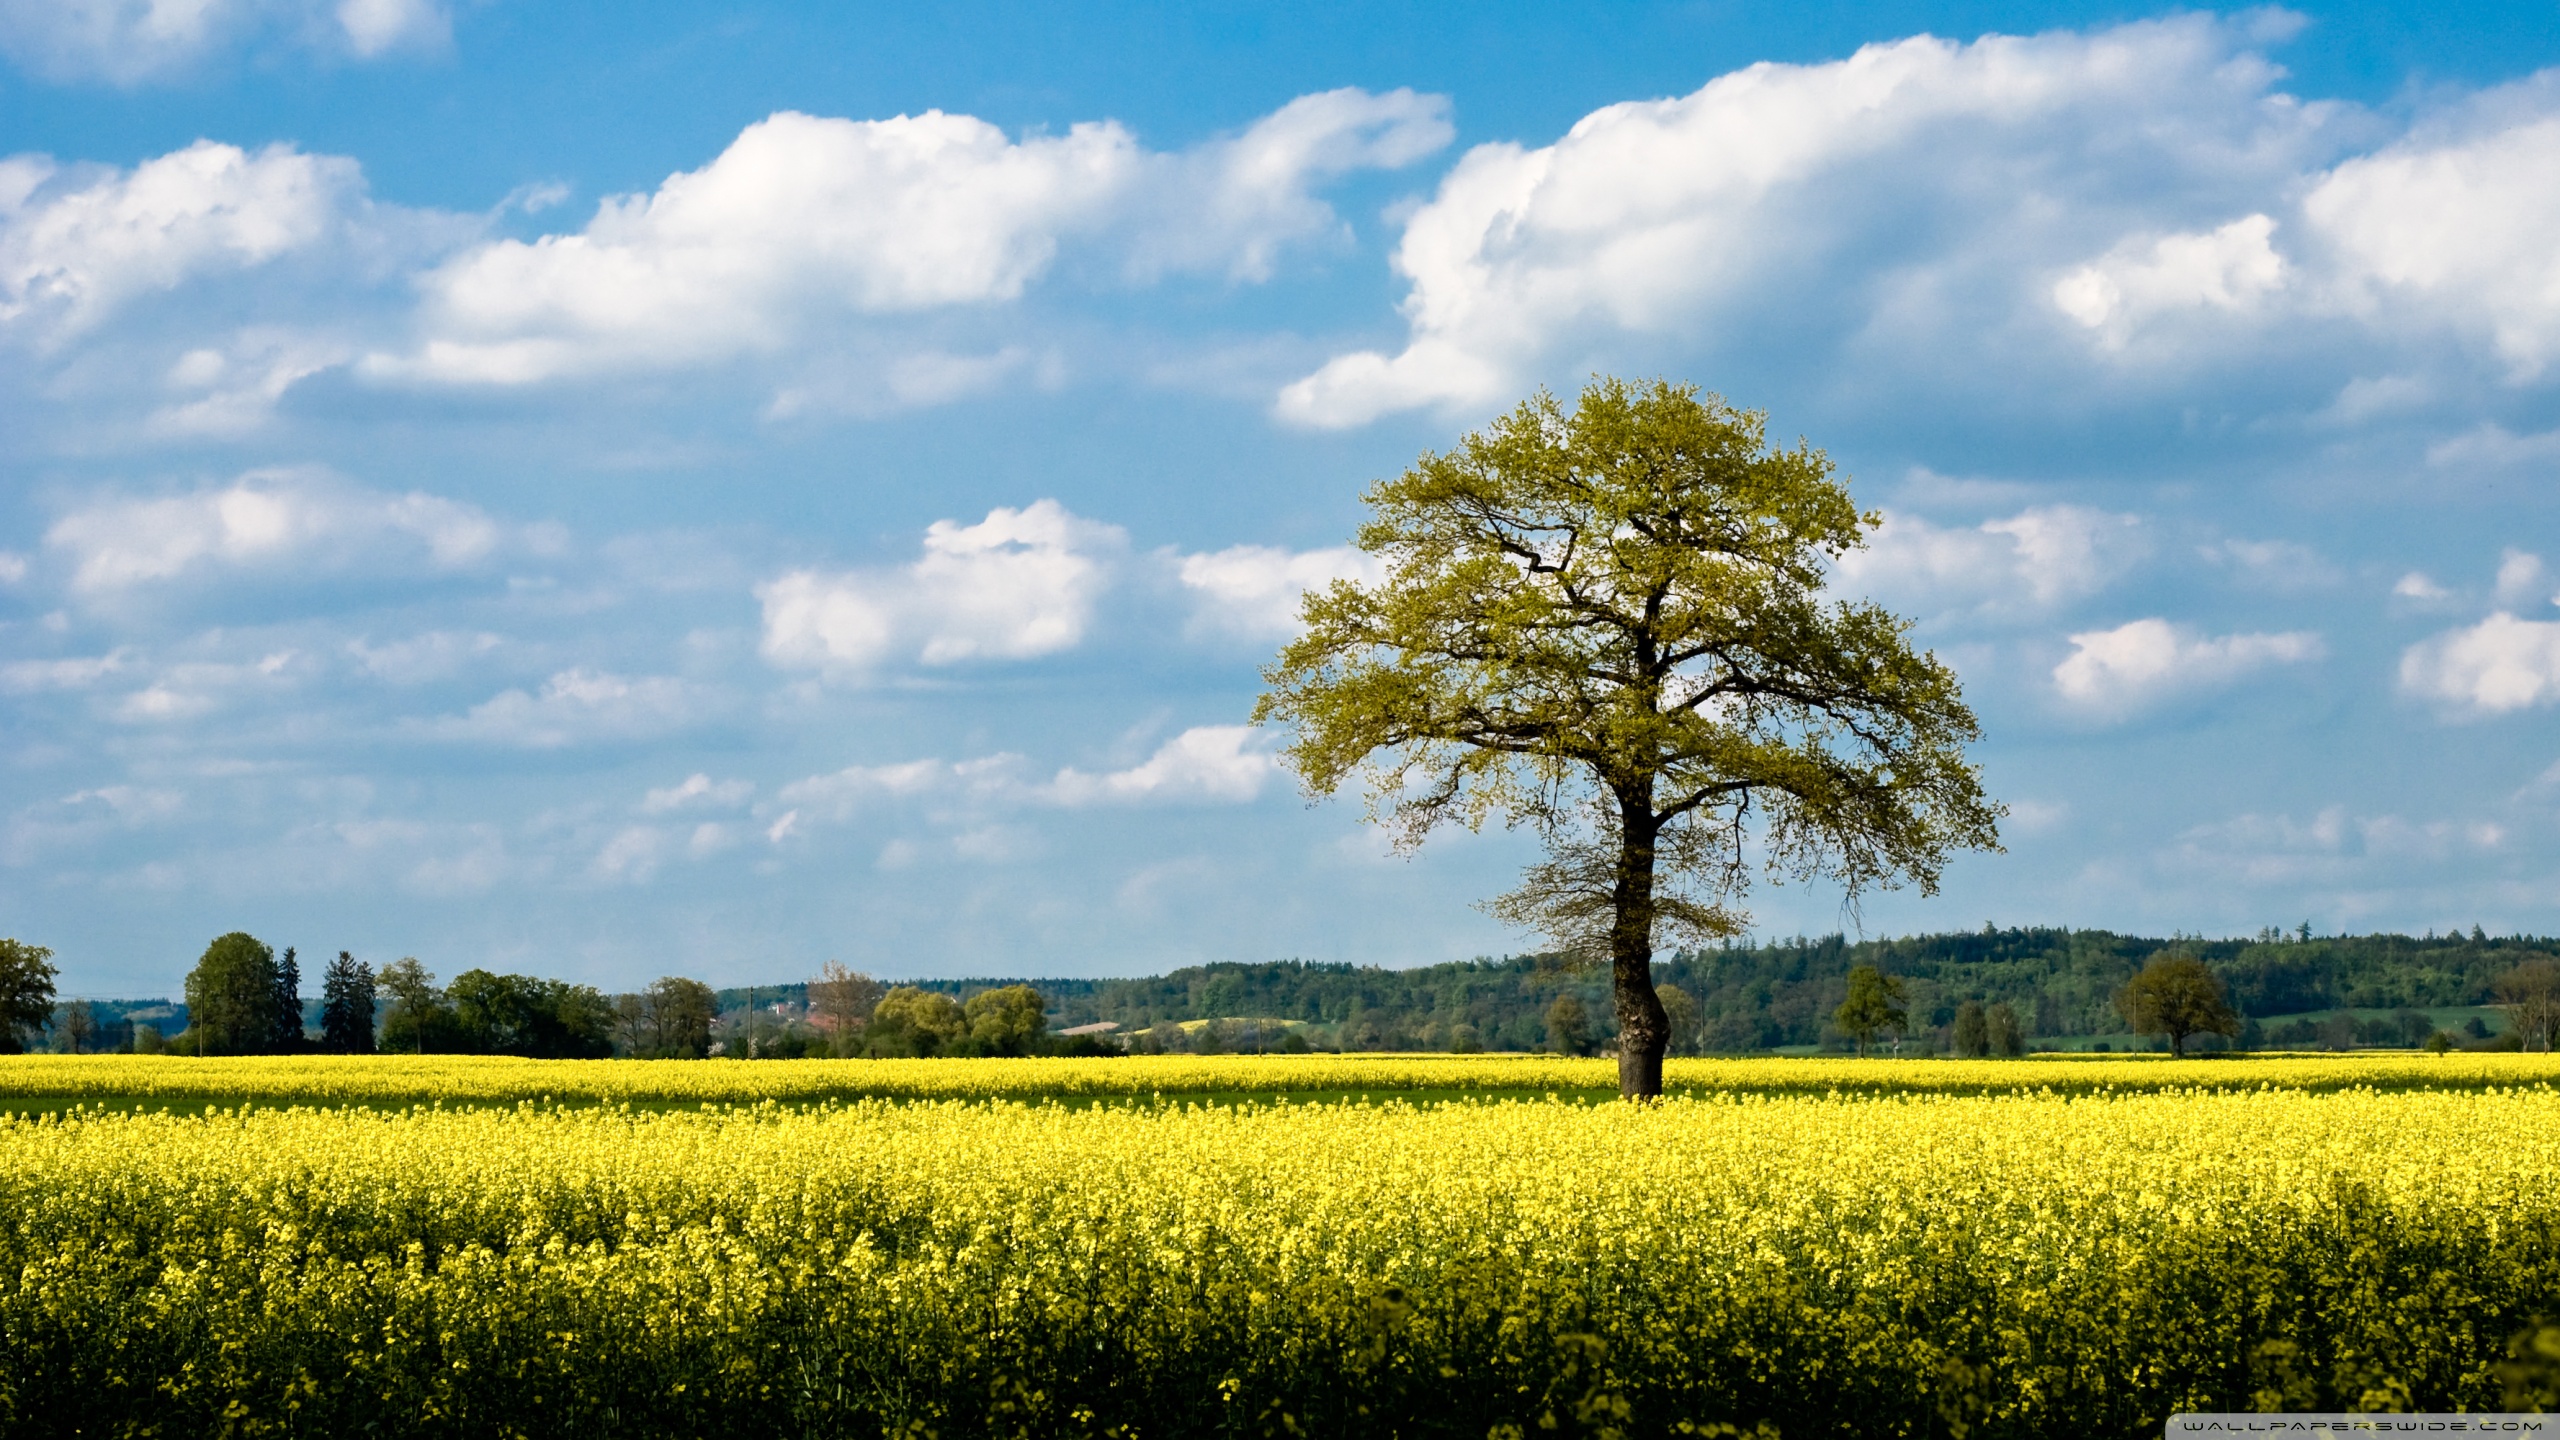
(346, 1006)
(285, 1007)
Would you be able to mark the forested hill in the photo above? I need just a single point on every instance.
(2060, 982)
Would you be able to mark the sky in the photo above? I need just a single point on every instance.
(607, 491)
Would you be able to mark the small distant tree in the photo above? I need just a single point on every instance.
(2000, 1023)
(2176, 996)
(1010, 1020)
(79, 1025)
(420, 1020)
(2531, 994)
(26, 993)
(284, 1007)
(1873, 1007)
(521, 1015)
(147, 1041)
(841, 1000)
(1569, 1026)
(1680, 1012)
(680, 1012)
(1972, 1037)
(914, 1021)
(346, 1006)
(231, 997)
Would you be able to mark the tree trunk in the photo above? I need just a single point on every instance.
(1644, 1031)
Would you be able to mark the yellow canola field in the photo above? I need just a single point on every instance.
(459, 1079)
(2014, 1264)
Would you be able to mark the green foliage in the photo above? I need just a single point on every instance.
(670, 1020)
(26, 993)
(347, 1006)
(909, 1022)
(1871, 1006)
(2531, 993)
(1680, 1013)
(1569, 1027)
(2057, 985)
(284, 1007)
(2175, 995)
(1610, 625)
(1972, 1035)
(521, 1015)
(1008, 1020)
(240, 1000)
(2002, 1034)
(421, 1020)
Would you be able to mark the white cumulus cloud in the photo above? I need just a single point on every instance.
(2501, 664)
(77, 243)
(1207, 763)
(127, 42)
(2455, 223)
(1653, 218)
(1252, 590)
(2041, 557)
(1016, 585)
(806, 218)
(1233, 203)
(266, 519)
(2141, 663)
(2229, 269)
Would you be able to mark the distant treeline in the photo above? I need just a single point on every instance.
(2295, 989)
(2061, 984)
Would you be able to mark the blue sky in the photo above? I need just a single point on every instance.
(617, 490)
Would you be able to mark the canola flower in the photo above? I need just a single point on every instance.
(1933, 1264)
(485, 1079)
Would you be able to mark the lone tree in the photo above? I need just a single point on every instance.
(1872, 1006)
(2176, 996)
(1609, 625)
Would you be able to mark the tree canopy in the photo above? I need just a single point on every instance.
(1874, 1005)
(346, 1006)
(2175, 995)
(241, 1000)
(26, 993)
(1609, 624)
(2531, 994)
